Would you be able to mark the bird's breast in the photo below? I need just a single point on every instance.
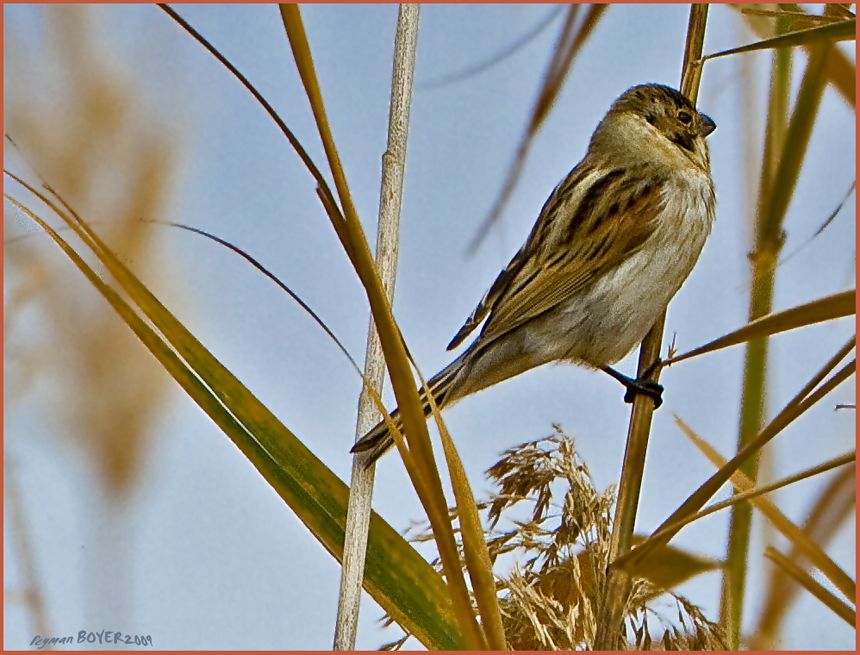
(612, 317)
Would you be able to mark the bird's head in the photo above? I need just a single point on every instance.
(653, 121)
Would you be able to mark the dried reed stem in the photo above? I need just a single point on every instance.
(617, 590)
(390, 198)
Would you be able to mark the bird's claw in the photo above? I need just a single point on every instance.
(647, 388)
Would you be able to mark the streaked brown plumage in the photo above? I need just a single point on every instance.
(611, 246)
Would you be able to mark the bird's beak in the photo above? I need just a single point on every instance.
(708, 125)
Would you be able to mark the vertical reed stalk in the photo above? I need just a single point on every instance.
(390, 200)
(611, 613)
(753, 394)
(785, 148)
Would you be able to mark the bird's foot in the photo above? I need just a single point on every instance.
(648, 388)
(641, 385)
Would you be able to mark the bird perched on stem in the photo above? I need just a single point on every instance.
(612, 245)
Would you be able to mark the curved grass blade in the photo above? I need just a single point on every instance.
(839, 71)
(569, 44)
(824, 309)
(346, 227)
(830, 510)
(796, 407)
(830, 600)
(670, 566)
(274, 278)
(842, 31)
(398, 578)
(799, 16)
(503, 54)
(840, 579)
(294, 142)
(427, 483)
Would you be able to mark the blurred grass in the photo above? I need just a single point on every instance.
(798, 538)
(100, 128)
(573, 36)
(85, 124)
(786, 142)
(741, 497)
(830, 600)
(839, 71)
(841, 30)
(817, 388)
(830, 510)
(316, 495)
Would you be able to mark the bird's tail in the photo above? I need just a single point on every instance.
(442, 385)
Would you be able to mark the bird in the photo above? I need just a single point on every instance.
(611, 246)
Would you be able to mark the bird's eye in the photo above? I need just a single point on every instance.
(685, 118)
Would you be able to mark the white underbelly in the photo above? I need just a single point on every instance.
(605, 321)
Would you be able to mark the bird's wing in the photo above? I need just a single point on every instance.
(512, 271)
(600, 219)
(490, 298)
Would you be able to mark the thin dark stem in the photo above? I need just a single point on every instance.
(294, 142)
